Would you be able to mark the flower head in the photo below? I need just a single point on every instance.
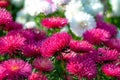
(111, 70)
(31, 49)
(16, 69)
(43, 64)
(107, 54)
(54, 22)
(112, 29)
(4, 3)
(9, 44)
(37, 76)
(55, 43)
(82, 66)
(42, 6)
(113, 44)
(80, 46)
(96, 36)
(82, 22)
(5, 16)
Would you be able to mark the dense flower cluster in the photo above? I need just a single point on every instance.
(59, 40)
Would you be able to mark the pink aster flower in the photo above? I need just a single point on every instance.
(111, 70)
(17, 69)
(113, 44)
(37, 76)
(96, 36)
(31, 49)
(107, 54)
(5, 16)
(112, 29)
(27, 34)
(4, 3)
(55, 43)
(82, 66)
(80, 46)
(54, 22)
(9, 44)
(2, 72)
(68, 56)
(43, 64)
(13, 26)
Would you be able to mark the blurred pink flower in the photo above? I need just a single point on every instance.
(54, 22)
(37, 76)
(43, 64)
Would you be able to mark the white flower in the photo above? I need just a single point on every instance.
(115, 7)
(72, 8)
(22, 17)
(29, 25)
(35, 7)
(17, 3)
(93, 7)
(82, 22)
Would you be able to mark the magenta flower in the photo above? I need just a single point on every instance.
(55, 43)
(113, 44)
(68, 56)
(4, 3)
(37, 76)
(5, 16)
(2, 72)
(27, 34)
(9, 44)
(112, 29)
(31, 49)
(81, 46)
(107, 54)
(96, 36)
(82, 66)
(43, 64)
(17, 69)
(54, 22)
(111, 70)
(13, 26)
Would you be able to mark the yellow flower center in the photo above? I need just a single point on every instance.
(14, 68)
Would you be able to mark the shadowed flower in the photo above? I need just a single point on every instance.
(55, 43)
(96, 36)
(13, 26)
(37, 76)
(54, 22)
(113, 44)
(17, 69)
(31, 49)
(43, 64)
(112, 29)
